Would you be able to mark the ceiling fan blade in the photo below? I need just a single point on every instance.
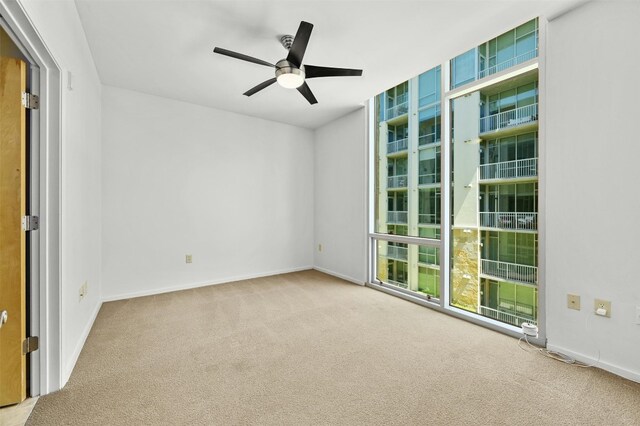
(312, 71)
(296, 53)
(259, 87)
(242, 57)
(306, 92)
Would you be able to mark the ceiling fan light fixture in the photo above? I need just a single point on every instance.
(290, 81)
(288, 75)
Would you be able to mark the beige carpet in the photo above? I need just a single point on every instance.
(306, 348)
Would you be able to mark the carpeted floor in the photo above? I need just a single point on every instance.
(306, 348)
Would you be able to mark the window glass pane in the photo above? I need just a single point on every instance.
(429, 125)
(437, 83)
(526, 146)
(429, 211)
(509, 302)
(507, 149)
(492, 47)
(380, 102)
(429, 166)
(526, 28)
(507, 100)
(506, 47)
(493, 232)
(526, 95)
(493, 104)
(430, 232)
(402, 162)
(463, 68)
(525, 44)
(393, 267)
(428, 85)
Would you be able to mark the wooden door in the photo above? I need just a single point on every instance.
(13, 366)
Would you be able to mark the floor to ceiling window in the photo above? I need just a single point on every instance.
(464, 199)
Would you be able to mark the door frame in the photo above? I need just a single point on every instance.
(45, 137)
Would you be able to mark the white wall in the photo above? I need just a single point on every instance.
(592, 201)
(235, 192)
(340, 197)
(59, 26)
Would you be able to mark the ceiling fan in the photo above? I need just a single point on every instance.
(290, 73)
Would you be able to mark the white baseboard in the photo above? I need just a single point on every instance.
(338, 275)
(189, 286)
(619, 371)
(66, 374)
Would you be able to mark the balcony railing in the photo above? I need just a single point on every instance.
(515, 117)
(505, 316)
(506, 220)
(508, 63)
(510, 271)
(401, 106)
(395, 252)
(428, 219)
(399, 181)
(396, 217)
(397, 145)
(509, 169)
(428, 139)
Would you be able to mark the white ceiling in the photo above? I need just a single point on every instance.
(164, 48)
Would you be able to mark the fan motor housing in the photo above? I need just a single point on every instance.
(285, 67)
(288, 75)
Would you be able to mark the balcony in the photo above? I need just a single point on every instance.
(401, 107)
(396, 182)
(508, 119)
(397, 145)
(428, 139)
(507, 220)
(510, 271)
(507, 317)
(527, 56)
(396, 252)
(510, 169)
(397, 217)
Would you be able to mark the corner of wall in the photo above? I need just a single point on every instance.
(73, 357)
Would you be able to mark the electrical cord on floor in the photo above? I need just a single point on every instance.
(556, 355)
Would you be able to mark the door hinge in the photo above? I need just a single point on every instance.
(30, 101)
(30, 344)
(30, 223)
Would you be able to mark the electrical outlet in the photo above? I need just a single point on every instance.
(188, 258)
(600, 304)
(573, 301)
(319, 247)
(83, 290)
